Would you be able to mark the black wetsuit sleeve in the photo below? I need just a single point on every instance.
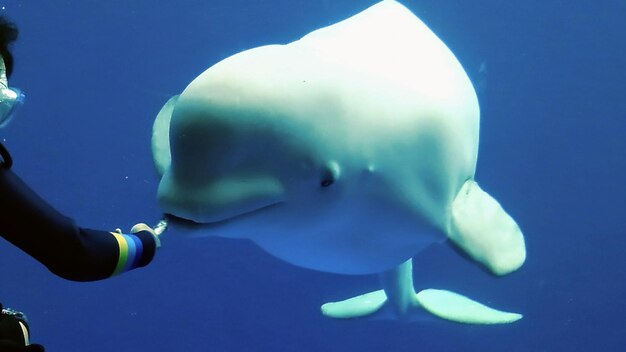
(74, 253)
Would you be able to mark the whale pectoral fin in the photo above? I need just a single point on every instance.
(485, 231)
(455, 307)
(356, 307)
(161, 136)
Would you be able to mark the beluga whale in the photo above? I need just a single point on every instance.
(347, 151)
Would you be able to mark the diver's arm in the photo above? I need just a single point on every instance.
(74, 253)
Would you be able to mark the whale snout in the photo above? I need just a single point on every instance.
(217, 200)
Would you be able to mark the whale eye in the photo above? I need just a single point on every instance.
(326, 182)
(328, 177)
(330, 173)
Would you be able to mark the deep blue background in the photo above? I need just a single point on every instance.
(552, 152)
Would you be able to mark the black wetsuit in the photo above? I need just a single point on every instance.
(69, 251)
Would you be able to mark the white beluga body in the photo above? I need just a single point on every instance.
(347, 151)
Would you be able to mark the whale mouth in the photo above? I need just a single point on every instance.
(218, 201)
(181, 221)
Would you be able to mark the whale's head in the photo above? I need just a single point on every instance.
(294, 174)
(234, 160)
(341, 151)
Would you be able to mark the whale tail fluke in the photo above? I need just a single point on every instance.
(441, 303)
(398, 300)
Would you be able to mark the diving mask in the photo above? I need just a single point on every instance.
(10, 98)
(10, 101)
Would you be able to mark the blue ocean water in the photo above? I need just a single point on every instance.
(551, 82)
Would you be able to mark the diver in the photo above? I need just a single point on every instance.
(30, 223)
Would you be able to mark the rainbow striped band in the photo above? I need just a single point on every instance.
(131, 250)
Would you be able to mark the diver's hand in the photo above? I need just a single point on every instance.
(156, 231)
